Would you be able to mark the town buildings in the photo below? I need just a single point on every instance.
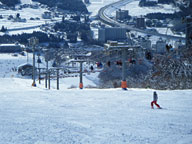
(115, 33)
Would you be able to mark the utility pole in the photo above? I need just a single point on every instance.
(57, 78)
(46, 75)
(124, 49)
(33, 42)
(188, 21)
(123, 82)
(81, 75)
(47, 58)
(39, 75)
(49, 79)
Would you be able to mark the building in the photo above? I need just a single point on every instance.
(161, 46)
(25, 69)
(122, 14)
(140, 23)
(10, 48)
(146, 44)
(46, 15)
(114, 33)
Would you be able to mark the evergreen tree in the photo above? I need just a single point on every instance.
(72, 5)
(3, 29)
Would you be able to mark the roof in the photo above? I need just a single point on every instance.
(11, 45)
(8, 45)
(25, 64)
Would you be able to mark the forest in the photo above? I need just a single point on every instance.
(71, 5)
(23, 38)
(10, 2)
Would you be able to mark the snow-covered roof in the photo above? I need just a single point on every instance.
(8, 45)
(11, 45)
(24, 64)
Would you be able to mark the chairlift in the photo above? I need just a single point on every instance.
(39, 60)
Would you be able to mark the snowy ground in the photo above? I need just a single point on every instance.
(25, 13)
(26, 1)
(35, 115)
(95, 5)
(9, 62)
(136, 10)
(105, 116)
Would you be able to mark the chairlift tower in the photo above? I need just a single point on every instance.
(124, 48)
(80, 73)
(81, 59)
(33, 42)
(47, 59)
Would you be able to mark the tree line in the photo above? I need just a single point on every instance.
(23, 38)
(163, 16)
(71, 5)
(10, 2)
(154, 3)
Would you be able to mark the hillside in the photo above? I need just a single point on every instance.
(91, 116)
(71, 5)
(10, 2)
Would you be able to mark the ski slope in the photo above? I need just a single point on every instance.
(92, 116)
(35, 115)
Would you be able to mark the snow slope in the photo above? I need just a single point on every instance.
(8, 63)
(35, 115)
(136, 10)
(105, 116)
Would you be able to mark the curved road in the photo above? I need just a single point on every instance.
(105, 16)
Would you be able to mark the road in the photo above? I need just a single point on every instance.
(106, 17)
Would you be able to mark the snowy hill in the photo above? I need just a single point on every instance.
(31, 16)
(92, 116)
(89, 116)
(36, 115)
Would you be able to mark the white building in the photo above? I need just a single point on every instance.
(122, 14)
(161, 46)
(10, 48)
(46, 15)
(140, 23)
(115, 33)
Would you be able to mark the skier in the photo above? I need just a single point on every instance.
(155, 97)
